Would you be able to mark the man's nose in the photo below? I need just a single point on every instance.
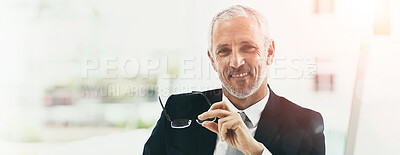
(236, 59)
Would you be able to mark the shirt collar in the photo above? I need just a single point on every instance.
(254, 111)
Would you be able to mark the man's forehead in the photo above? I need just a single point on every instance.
(238, 29)
(228, 40)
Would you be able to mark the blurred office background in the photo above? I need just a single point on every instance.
(83, 76)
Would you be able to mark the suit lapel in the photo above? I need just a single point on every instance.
(207, 139)
(269, 123)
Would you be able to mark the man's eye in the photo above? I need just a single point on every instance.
(224, 51)
(248, 48)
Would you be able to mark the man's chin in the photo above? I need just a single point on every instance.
(238, 90)
(241, 90)
(240, 94)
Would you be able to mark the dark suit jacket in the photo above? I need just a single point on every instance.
(284, 128)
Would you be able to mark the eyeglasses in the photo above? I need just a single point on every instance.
(184, 123)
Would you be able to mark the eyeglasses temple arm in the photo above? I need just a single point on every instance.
(164, 110)
(208, 101)
(198, 92)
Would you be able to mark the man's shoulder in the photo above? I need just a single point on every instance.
(309, 119)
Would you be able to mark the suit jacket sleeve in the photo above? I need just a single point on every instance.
(313, 142)
(155, 145)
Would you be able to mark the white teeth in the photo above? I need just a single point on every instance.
(240, 75)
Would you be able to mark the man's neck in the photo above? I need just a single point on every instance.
(242, 104)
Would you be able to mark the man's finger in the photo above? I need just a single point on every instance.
(212, 126)
(222, 129)
(220, 105)
(225, 124)
(213, 113)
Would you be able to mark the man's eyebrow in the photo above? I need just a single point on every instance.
(246, 42)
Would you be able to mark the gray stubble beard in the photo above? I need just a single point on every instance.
(248, 91)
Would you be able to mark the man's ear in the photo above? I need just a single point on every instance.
(271, 53)
(212, 60)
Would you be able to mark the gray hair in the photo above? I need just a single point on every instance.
(239, 11)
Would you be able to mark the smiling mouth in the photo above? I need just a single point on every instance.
(240, 75)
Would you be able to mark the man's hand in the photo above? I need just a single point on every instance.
(231, 128)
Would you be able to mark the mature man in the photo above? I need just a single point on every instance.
(251, 118)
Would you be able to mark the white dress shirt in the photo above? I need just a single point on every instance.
(253, 113)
